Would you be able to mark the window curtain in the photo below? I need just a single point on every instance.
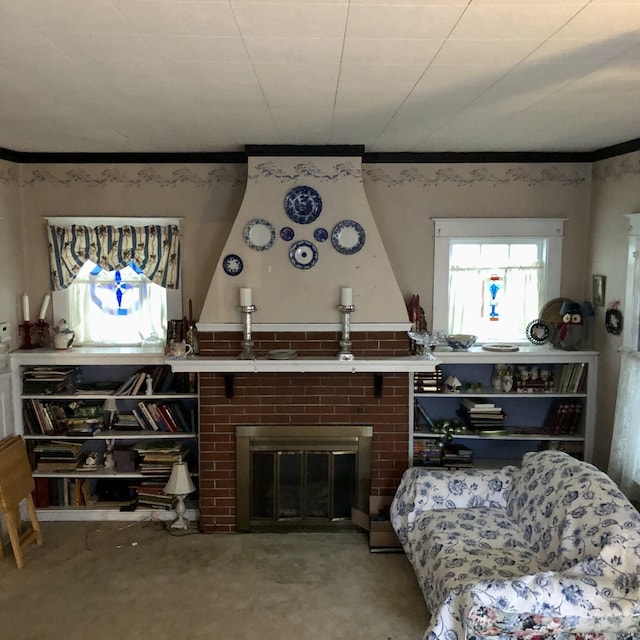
(469, 297)
(624, 460)
(154, 249)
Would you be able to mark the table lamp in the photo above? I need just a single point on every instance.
(180, 485)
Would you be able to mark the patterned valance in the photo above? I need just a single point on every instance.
(155, 249)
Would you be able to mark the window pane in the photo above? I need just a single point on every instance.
(501, 315)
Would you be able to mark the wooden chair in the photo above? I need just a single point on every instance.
(16, 485)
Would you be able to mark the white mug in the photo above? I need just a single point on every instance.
(179, 350)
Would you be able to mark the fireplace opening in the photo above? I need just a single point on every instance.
(301, 477)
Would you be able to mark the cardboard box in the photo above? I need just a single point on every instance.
(382, 537)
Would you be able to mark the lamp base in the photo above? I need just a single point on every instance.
(181, 522)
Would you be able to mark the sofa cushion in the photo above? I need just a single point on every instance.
(567, 509)
(456, 546)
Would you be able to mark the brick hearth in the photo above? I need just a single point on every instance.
(302, 399)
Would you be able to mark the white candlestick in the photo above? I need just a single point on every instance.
(45, 306)
(245, 297)
(25, 308)
(346, 296)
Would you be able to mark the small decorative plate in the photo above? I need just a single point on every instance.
(320, 234)
(539, 332)
(303, 254)
(232, 264)
(303, 204)
(500, 347)
(348, 237)
(282, 354)
(287, 233)
(259, 234)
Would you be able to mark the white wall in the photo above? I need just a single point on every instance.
(616, 191)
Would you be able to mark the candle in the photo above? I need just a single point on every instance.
(45, 306)
(245, 297)
(346, 296)
(25, 307)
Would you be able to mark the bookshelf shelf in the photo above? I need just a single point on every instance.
(61, 402)
(500, 426)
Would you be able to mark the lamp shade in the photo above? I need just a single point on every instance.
(179, 483)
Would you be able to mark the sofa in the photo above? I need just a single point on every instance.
(546, 549)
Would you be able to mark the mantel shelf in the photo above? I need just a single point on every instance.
(324, 364)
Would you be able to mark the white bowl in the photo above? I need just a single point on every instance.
(461, 341)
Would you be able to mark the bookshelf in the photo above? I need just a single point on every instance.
(84, 468)
(548, 402)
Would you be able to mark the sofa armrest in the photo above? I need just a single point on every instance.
(423, 489)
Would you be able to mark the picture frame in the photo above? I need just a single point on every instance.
(598, 293)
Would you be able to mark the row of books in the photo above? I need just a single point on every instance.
(572, 378)
(42, 417)
(156, 379)
(563, 417)
(170, 416)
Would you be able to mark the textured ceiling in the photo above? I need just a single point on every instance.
(393, 75)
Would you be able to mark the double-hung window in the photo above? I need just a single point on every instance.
(492, 276)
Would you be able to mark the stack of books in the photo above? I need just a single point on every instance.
(158, 457)
(427, 452)
(456, 455)
(48, 380)
(152, 496)
(428, 381)
(481, 415)
(53, 457)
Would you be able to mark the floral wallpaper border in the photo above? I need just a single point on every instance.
(617, 168)
(400, 175)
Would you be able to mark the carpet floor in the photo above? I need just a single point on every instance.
(122, 581)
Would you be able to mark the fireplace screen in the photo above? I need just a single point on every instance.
(301, 477)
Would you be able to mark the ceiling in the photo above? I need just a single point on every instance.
(116, 76)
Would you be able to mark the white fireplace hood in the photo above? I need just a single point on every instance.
(303, 232)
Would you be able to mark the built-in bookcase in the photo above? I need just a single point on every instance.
(547, 400)
(103, 428)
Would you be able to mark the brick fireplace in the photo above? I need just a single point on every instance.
(242, 399)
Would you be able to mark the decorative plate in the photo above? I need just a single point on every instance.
(232, 264)
(500, 347)
(539, 332)
(303, 204)
(303, 254)
(259, 234)
(287, 233)
(550, 312)
(348, 237)
(282, 354)
(321, 234)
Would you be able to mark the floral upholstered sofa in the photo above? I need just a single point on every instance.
(549, 549)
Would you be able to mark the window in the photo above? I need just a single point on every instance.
(120, 307)
(117, 282)
(497, 273)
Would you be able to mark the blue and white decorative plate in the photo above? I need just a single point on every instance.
(287, 233)
(232, 264)
(348, 237)
(320, 234)
(303, 204)
(259, 234)
(303, 254)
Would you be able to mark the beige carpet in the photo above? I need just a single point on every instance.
(133, 580)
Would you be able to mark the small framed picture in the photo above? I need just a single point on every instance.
(599, 284)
